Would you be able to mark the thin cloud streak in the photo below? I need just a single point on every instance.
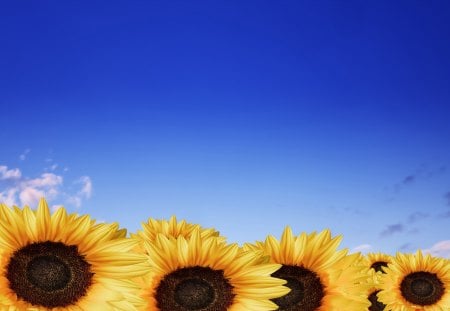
(409, 179)
(363, 248)
(447, 198)
(422, 173)
(392, 229)
(406, 247)
(416, 216)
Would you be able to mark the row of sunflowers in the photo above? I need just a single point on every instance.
(59, 261)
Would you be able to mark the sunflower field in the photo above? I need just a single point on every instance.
(59, 261)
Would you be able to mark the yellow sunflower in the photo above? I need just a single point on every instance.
(60, 262)
(320, 277)
(372, 292)
(416, 282)
(170, 228)
(375, 262)
(116, 232)
(207, 274)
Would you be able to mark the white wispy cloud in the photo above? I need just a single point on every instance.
(19, 190)
(52, 165)
(46, 180)
(55, 207)
(8, 196)
(363, 248)
(27, 191)
(440, 249)
(5, 173)
(74, 200)
(24, 154)
(86, 189)
(30, 196)
(84, 193)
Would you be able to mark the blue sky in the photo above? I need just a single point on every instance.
(245, 116)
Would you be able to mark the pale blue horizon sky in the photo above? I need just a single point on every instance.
(243, 117)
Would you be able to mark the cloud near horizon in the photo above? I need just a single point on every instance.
(19, 190)
(439, 249)
(363, 248)
(6, 174)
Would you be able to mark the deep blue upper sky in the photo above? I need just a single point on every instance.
(242, 115)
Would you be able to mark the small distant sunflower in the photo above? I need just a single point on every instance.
(206, 274)
(376, 262)
(416, 282)
(320, 277)
(375, 304)
(63, 262)
(171, 228)
(372, 292)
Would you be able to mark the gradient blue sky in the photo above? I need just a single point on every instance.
(241, 115)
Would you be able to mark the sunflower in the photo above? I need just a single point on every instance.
(372, 292)
(64, 262)
(116, 232)
(376, 262)
(170, 228)
(320, 277)
(204, 273)
(416, 282)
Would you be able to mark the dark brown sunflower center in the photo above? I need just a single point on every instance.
(422, 288)
(195, 288)
(375, 304)
(49, 274)
(377, 266)
(306, 292)
(194, 294)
